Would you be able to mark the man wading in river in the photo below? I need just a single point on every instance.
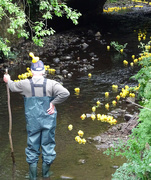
(40, 97)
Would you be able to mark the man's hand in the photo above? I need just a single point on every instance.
(6, 78)
(51, 110)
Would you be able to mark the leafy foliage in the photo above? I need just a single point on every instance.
(118, 46)
(19, 16)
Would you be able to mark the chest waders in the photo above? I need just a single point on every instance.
(40, 126)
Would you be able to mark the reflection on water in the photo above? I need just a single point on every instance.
(81, 162)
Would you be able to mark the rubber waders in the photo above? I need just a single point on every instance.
(45, 170)
(33, 171)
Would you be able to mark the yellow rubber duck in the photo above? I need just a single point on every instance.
(52, 71)
(77, 138)
(28, 69)
(114, 121)
(125, 62)
(89, 75)
(114, 103)
(121, 50)
(83, 116)
(135, 61)
(106, 94)
(107, 106)
(133, 56)
(77, 90)
(118, 97)
(132, 95)
(126, 87)
(35, 59)
(70, 127)
(115, 86)
(108, 48)
(80, 133)
(84, 141)
(131, 64)
(98, 103)
(93, 117)
(93, 109)
(80, 141)
(98, 116)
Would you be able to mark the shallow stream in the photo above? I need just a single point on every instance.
(75, 161)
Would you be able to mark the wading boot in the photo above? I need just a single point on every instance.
(45, 170)
(33, 171)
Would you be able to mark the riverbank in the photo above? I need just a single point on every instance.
(116, 134)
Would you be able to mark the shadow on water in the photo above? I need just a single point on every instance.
(74, 161)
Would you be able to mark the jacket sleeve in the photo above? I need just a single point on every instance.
(60, 93)
(15, 86)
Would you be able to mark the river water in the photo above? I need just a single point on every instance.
(75, 161)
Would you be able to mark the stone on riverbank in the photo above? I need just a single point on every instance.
(116, 133)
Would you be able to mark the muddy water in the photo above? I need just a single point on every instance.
(74, 161)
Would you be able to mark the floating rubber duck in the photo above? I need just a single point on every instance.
(28, 69)
(98, 116)
(77, 138)
(106, 94)
(109, 119)
(133, 56)
(84, 141)
(19, 76)
(135, 61)
(121, 50)
(93, 117)
(77, 90)
(103, 118)
(125, 62)
(118, 97)
(132, 95)
(80, 141)
(89, 75)
(114, 88)
(107, 106)
(114, 121)
(131, 64)
(80, 133)
(93, 109)
(52, 71)
(139, 38)
(126, 87)
(108, 48)
(83, 116)
(114, 103)
(70, 127)
(98, 103)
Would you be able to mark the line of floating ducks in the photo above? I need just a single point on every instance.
(127, 91)
(116, 9)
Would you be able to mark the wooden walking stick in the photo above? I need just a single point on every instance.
(10, 123)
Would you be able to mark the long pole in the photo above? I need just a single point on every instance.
(10, 123)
